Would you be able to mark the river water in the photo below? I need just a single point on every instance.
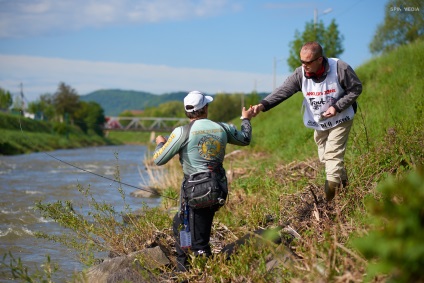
(27, 179)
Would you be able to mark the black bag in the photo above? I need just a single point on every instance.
(203, 190)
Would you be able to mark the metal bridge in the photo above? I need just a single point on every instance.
(143, 124)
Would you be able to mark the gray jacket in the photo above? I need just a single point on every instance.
(348, 80)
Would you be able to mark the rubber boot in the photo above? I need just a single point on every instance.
(330, 189)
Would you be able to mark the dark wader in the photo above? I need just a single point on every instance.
(200, 227)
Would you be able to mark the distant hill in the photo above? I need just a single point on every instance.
(115, 101)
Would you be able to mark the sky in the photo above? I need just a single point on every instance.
(163, 46)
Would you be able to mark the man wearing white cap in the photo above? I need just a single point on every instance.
(201, 148)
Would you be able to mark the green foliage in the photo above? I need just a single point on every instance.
(400, 26)
(332, 41)
(394, 245)
(6, 99)
(18, 104)
(90, 116)
(115, 101)
(66, 100)
(170, 198)
(21, 135)
(43, 108)
(61, 128)
(329, 38)
(225, 107)
(252, 98)
(167, 109)
(22, 272)
(16, 122)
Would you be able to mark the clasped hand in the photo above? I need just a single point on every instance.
(247, 114)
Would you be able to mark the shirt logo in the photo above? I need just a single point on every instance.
(210, 147)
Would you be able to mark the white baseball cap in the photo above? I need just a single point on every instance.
(197, 100)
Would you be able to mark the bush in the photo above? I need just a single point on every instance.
(17, 122)
(394, 246)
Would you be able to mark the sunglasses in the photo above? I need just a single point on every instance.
(309, 62)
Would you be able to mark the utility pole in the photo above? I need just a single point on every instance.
(316, 15)
(22, 96)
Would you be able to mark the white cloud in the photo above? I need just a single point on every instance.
(41, 75)
(34, 17)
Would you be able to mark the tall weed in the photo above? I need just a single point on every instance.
(97, 227)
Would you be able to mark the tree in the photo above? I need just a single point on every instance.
(43, 107)
(166, 109)
(18, 104)
(329, 38)
(6, 99)
(90, 117)
(225, 107)
(66, 100)
(252, 98)
(403, 24)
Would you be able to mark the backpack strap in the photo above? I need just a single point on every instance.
(222, 126)
(186, 133)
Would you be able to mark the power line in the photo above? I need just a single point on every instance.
(348, 9)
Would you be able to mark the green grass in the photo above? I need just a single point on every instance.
(280, 131)
(17, 142)
(20, 135)
(15, 122)
(133, 137)
(392, 95)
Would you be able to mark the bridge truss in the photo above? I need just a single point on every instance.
(144, 123)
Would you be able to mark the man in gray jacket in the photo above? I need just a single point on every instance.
(330, 88)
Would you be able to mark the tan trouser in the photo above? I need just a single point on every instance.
(331, 150)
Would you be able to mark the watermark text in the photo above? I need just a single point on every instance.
(404, 9)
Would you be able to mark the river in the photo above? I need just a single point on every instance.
(27, 179)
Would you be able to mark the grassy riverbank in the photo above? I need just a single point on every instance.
(21, 135)
(370, 232)
(133, 137)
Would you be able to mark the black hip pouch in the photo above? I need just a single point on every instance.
(203, 190)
